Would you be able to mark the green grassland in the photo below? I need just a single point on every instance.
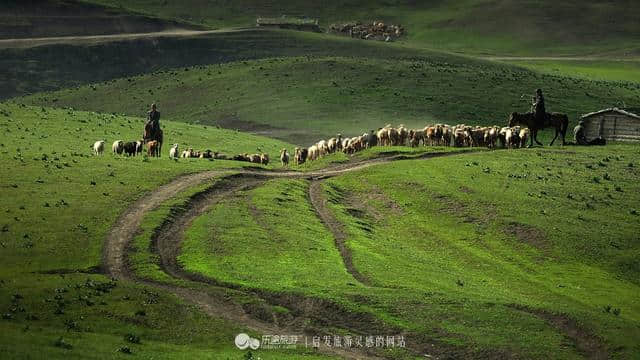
(587, 69)
(454, 246)
(31, 69)
(484, 254)
(58, 204)
(520, 27)
(302, 99)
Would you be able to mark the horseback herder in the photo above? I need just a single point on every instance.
(538, 109)
(153, 121)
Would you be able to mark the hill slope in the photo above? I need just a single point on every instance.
(59, 204)
(469, 26)
(46, 18)
(302, 99)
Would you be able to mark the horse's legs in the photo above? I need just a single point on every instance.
(554, 138)
(533, 134)
(535, 137)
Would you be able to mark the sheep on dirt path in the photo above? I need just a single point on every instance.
(284, 157)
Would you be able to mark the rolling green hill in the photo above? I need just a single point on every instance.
(59, 204)
(302, 99)
(521, 27)
(46, 18)
(468, 253)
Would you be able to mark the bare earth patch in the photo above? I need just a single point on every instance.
(528, 234)
(586, 343)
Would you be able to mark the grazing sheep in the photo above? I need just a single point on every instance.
(512, 137)
(207, 154)
(152, 148)
(130, 148)
(430, 135)
(220, 156)
(118, 147)
(446, 135)
(254, 158)
(403, 134)
(300, 155)
(438, 133)
(344, 143)
(264, 159)
(241, 157)
(477, 137)
(372, 139)
(524, 136)
(460, 137)
(394, 137)
(173, 152)
(332, 145)
(502, 137)
(323, 148)
(139, 146)
(313, 152)
(284, 157)
(415, 137)
(491, 137)
(98, 147)
(383, 136)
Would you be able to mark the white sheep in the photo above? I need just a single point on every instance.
(284, 157)
(173, 152)
(98, 147)
(117, 147)
(524, 136)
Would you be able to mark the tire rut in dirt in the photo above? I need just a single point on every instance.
(325, 314)
(166, 243)
(166, 240)
(319, 202)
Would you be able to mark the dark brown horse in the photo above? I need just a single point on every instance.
(559, 121)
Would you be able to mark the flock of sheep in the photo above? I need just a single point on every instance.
(433, 135)
(436, 135)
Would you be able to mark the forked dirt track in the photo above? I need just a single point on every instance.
(166, 241)
(210, 294)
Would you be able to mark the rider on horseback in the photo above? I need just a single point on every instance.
(538, 109)
(152, 130)
(153, 121)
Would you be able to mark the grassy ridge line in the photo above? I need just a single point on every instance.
(55, 223)
(302, 99)
(49, 18)
(51, 67)
(470, 26)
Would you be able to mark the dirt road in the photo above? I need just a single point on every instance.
(167, 242)
(96, 39)
(210, 294)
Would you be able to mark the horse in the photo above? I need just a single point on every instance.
(559, 121)
(148, 135)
